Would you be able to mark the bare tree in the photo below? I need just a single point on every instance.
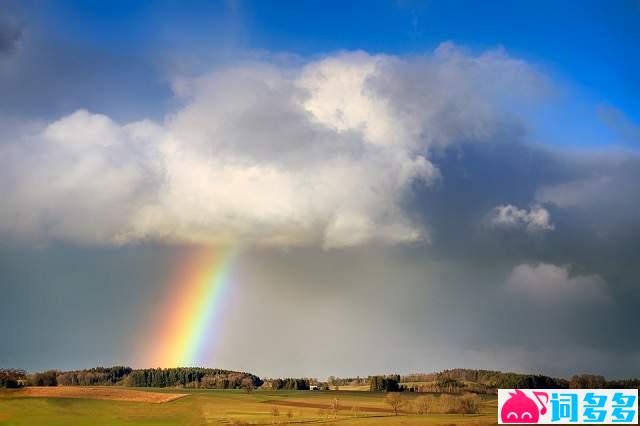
(335, 407)
(395, 401)
(470, 404)
(423, 404)
(247, 384)
(448, 403)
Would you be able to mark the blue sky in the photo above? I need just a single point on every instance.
(591, 43)
(589, 47)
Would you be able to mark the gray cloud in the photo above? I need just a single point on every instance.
(589, 196)
(553, 284)
(43, 78)
(601, 193)
(10, 36)
(598, 237)
(437, 313)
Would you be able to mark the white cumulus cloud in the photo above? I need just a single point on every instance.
(535, 219)
(322, 154)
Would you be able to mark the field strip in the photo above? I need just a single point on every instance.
(302, 404)
(99, 392)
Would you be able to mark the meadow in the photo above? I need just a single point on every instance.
(109, 406)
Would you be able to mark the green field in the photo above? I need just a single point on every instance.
(228, 407)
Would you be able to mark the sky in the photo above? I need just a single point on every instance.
(405, 186)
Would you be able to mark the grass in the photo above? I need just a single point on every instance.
(225, 407)
(97, 392)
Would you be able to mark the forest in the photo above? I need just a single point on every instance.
(210, 378)
(480, 381)
(447, 381)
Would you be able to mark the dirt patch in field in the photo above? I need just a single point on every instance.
(301, 404)
(99, 392)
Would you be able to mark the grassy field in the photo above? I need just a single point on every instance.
(216, 407)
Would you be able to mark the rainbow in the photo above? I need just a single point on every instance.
(192, 307)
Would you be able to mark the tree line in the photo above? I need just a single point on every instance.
(482, 381)
(211, 378)
(12, 377)
(290, 384)
(94, 376)
(592, 381)
(346, 381)
(500, 380)
(446, 381)
(389, 383)
(418, 377)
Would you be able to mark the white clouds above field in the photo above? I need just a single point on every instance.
(321, 154)
(548, 283)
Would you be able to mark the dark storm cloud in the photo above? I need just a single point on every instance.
(476, 177)
(360, 311)
(590, 197)
(10, 35)
(69, 307)
(588, 263)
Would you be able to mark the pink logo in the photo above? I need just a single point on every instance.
(519, 408)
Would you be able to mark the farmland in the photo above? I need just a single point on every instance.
(122, 406)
